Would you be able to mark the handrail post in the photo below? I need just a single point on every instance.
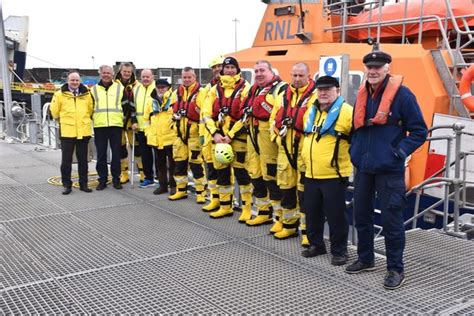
(404, 22)
(446, 187)
(457, 172)
(420, 28)
(417, 206)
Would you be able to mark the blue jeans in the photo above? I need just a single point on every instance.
(390, 190)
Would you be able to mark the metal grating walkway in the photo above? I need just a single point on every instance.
(132, 252)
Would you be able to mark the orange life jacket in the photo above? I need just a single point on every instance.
(187, 107)
(256, 99)
(383, 111)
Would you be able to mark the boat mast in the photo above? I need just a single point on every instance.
(7, 96)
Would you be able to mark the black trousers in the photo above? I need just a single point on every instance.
(67, 149)
(104, 136)
(326, 198)
(147, 156)
(164, 165)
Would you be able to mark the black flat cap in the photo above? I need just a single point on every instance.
(377, 58)
(162, 82)
(326, 82)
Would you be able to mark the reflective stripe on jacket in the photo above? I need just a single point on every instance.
(108, 105)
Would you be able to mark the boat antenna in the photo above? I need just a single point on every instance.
(302, 14)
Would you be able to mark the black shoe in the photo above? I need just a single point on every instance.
(160, 190)
(358, 266)
(313, 251)
(393, 280)
(101, 186)
(338, 260)
(118, 186)
(85, 189)
(67, 190)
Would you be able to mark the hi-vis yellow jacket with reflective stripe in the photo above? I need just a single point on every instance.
(141, 94)
(74, 112)
(108, 105)
(157, 120)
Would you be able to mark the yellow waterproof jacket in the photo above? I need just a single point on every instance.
(74, 112)
(107, 105)
(157, 122)
(318, 151)
(227, 127)
(141, 94)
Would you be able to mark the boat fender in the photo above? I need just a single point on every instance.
(465, 88)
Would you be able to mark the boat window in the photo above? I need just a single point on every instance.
(247, 74)
(355, 79)
(277, 52)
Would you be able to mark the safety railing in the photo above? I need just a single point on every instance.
(458, 182)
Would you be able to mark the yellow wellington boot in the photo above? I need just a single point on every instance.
(225, 198)
(286, 233)
(213, 205)
(290, 224)
(304, 241)
(138, 162)
(246, 213)
(224, 210)
(199, 184)
(264, 214)
(181, 193)
(277, 217)
(124, 174)
(302, 228)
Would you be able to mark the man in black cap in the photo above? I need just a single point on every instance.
(388, 127)
(327, 125)
(159, 134)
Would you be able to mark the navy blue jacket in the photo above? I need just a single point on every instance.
(383, 148)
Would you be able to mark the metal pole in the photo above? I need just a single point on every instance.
(404, 23)
(378, 21)
(446, 187)
(7, 95)
(457, 173)
(420, 30)
(200, 59)
(235, 31)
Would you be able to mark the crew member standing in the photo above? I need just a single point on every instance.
(188, 99)
(262, 153)
(108, 125)
(327, 124)
(388, 127)
(126, 77)
(73, 106)
(222, 117)
(157, 120)
(287, 121)
(141, 95)
(206, 140)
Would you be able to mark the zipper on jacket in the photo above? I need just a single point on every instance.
(311, 156)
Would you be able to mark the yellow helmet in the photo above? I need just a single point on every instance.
(223, 153)
(216, 61)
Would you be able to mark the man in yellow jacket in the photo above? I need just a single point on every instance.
(126, 77)
(222, 118)
(261, 151)
(187, 102)
(327, 124)
(287, 121)
(73, 106)
(206, 140)
(141, 96)
(157, 121)
(108, 124)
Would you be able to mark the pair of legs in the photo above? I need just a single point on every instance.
(67, 149)
(164, 165)
(104, 137)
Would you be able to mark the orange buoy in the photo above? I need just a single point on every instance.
(465, 88)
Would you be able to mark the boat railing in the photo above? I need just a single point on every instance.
(344, 9)
(458, 182)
